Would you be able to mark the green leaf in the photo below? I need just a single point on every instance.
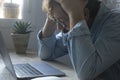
(21, 27)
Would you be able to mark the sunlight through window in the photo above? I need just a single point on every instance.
(11, 8)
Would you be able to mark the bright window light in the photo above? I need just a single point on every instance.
(19, 2)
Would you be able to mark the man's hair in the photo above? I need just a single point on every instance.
(49, 4)
(93, 6)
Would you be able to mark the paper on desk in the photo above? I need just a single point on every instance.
(48, 78)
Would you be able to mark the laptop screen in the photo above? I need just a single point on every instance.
(5, 56)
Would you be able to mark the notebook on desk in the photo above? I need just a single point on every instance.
(28, 70)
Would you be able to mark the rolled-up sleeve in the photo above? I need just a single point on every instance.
(90, 59)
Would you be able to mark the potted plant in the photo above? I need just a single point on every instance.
(10, 10)
(20, 35)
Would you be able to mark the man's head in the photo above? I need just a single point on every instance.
(92, 7)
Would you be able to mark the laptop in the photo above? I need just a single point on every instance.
(27, 71)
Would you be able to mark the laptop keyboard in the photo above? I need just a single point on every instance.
(26, 69)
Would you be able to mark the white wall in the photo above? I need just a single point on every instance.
(34, 14)
(5, 28)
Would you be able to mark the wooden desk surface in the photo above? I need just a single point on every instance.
(5, 74)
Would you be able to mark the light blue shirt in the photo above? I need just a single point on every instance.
(93, 51)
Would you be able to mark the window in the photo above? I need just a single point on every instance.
(10, 8)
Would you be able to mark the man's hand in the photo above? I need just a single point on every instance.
(74, 9)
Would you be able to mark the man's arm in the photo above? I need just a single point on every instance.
(50, 45)
(90, 59)
(48, 29)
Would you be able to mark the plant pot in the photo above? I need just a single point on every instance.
(10, 10)
(20, 42)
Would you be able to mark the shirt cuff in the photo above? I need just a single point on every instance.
(48, 40)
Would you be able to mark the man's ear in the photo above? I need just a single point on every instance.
(87, 14)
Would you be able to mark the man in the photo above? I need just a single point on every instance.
(92, 40)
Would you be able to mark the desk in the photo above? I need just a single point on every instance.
(30, 57)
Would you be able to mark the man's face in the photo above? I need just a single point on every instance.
(68, 2)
